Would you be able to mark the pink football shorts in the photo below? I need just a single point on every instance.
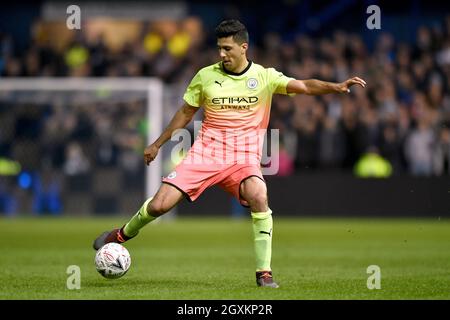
(193, 179)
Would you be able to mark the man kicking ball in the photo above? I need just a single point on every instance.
(236, 95)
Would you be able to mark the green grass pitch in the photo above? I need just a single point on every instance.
(212, 258)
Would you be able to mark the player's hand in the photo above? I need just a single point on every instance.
(150, 153)
(345, 86)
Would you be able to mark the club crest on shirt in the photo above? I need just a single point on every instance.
(252, 83)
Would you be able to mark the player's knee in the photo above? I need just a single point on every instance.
(157, 208)
(258, 200)
(261, 199)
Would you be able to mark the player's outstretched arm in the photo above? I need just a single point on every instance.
(317, 87)
(181, 118)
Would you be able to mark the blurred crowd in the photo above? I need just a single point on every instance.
(73, 136)
(403, 114)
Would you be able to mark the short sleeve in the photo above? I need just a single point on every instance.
(278, 81)
(193, 95)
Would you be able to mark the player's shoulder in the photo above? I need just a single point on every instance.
(263, 69)
(258, 67)
(212, 68)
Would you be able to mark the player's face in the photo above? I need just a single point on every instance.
(232, 53)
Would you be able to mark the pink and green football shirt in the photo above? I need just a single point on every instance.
(228, 147)
(236, 111)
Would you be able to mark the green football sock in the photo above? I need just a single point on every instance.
(139, 220)
(262, 229)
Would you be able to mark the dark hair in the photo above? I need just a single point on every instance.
(232, 28)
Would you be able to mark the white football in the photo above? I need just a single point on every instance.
(112, 260)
